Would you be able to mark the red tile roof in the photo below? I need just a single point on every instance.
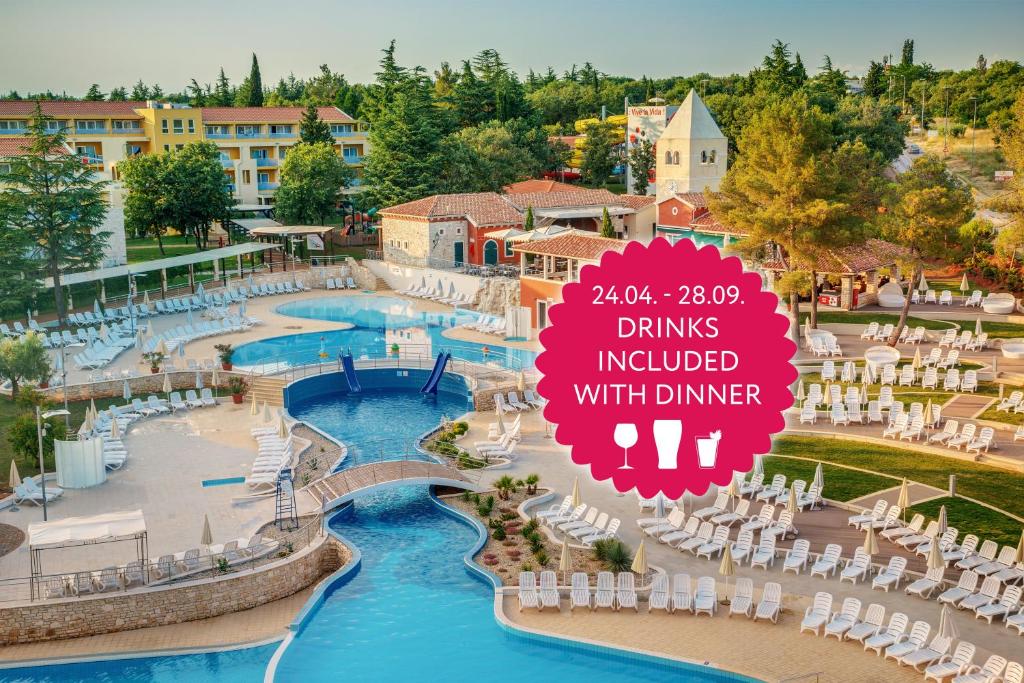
(695, 200)
(480, 208)
(706, 222)
(636, 201)
(270, 114)
(573, 245)
(537, 185)
(565, 198)
(859, 258)
(15, 146)
(58, 108)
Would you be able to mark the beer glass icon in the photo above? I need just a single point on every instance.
(667, 436)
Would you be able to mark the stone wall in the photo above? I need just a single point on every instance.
(404, 239)
(496, 294)
(171, 604)
(141, 386)
(483, 398)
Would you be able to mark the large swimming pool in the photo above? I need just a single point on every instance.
(379, 322)
(412, 610)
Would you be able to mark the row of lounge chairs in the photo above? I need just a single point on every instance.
(274, 454)
(944, 298)
(337, 283)
(488, 324)
(183, 334)
(875, 332)
(583, 523)
(452, 298)
(513, 404)
(826, 346)
(907, 648)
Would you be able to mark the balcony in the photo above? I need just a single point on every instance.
(249, 135)
(265, 161)
(344, 133)
(218, 136)
(353, 158)
(231, 187)
(280, 135)
(267, 186)
(92, 159)
(227, 163)
(127, 131)
(13, 131)
(91, 131)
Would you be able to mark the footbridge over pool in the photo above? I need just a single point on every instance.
(346, 485)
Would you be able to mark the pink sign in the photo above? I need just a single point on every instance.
(666, 368)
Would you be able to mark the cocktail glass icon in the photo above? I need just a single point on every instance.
(707, 449)
(667, 436)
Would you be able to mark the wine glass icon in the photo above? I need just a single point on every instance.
(625, 438)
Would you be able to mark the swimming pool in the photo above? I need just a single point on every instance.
(378, 322)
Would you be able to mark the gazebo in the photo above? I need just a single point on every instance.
(285, 232)
(73, 532)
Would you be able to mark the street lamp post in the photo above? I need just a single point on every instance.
(42, 460)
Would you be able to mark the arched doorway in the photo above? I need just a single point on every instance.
(490, 253)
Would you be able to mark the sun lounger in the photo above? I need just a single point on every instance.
(817, 615)
(1009, 602)
(990, 671)
(988, 594)
(828, 562)
(605, 594)
(890, 635)
(579, 596)
(682, 596)
(771, 602)
(527, 587)
(843, 620)
(743, 598)
(927, 655)
(548, 589)
(870, 626)
(625, 595)
(705, 599)
(856, 568)
(891, 575)
(764, 554)
(911, 643)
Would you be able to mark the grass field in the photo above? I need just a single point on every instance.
(840, 483)
(1010, 418)
(995, 486)
(971, 518)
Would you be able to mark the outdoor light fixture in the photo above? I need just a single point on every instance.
(40, 430)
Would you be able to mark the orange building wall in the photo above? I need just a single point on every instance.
(532, 290)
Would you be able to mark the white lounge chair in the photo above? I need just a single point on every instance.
(818, 614)
(843, 620)
(705, 599)
(893, 632)
(743, 598)
(682, 595)
(771, 602)
(548, 589)
(625, 595)
(870, 626)
(527, 589)
(659, 598)
(605, 594)
(579, 595)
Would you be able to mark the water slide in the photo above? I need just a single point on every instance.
(435, 375)
(350, 372)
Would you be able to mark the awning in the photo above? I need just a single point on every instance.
(159, 264)
(252, 207)
(583, 212)
(506, 234)
(109, 526)
(250, 224)
(282, 230)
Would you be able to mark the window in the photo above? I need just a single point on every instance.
(12, 125)
(276, 129)
(167, 148)
(712, 155)
(440, 231)
(179, 147)
(178, 127)
(5, 169)
(282, 153)
(89, 126)
(133, 150)
(258, 153)
(191, 126)
(246, 177)
(163, 127)
(675, 157)
(508, 249)
(341, 128)
(263, 177)
(54, 126)
(119, 126)
(668, 157)
(703, 156)
(458, 231)
(247, 131)
(219, 131)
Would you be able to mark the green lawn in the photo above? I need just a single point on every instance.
(998, 487)
(8, 413)
(147, 249)
(840, 483)
(953, 285)
(996, 330)
(1010, 417)
(971, 518)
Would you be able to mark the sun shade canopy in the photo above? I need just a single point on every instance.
(110, 526)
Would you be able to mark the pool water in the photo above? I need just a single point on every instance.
(378, 422)
(378, 323)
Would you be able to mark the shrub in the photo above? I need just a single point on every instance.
(536, 544)
(526, 567)
(498, 534)
(531, 482)
(615, 555)
(530, 527)
(542, 558)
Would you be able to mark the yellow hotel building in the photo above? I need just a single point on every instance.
(253, 141)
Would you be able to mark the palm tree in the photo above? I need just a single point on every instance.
(506, 486)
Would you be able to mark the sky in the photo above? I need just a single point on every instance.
(65, 45)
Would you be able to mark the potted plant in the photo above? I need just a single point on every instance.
(394, 349)
(155, 360)
(237, 387)
(225, 352)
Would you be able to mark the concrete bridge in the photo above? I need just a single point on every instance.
(341, 487)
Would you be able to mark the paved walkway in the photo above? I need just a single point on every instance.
(966, 406)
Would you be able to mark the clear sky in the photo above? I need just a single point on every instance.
(65, 45)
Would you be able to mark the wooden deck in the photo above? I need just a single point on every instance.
(343, 486)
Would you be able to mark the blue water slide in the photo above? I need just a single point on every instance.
(435, 375)
(350, 373)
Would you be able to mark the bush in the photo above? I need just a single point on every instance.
(615, 555)
(536, 544)
(530, 527)
(498, 534)
(542, 558)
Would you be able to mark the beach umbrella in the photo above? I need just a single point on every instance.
(440, 286)
(214, 379)
(791, 504)
(115, 428)
(241, 309)
(167, 384)
(576, 492)
(659, 505)
(870, 542)
(640, 560)
(758, 465)
(964, 285)
(71, 303)
(181, 350)
(140, 338)
(819, 478)
(58, 362)
(500, 424)
(1018, 558)
(863, 394)
(200, 292)
(935, 560)
(727, 568)
(188, 316)
(253, 410)
(929, 414)
(89, 422)
(161, 347)
(1002, 388)
(126, 391)
(947, 628)
(564, 562)
(521, 381)
(977, 326)
(145, 297)
(103, 292)
(922, 285)
(207, 537)
(266, 412)
(282, 428)
(14, 479)
(800, 395)
(104, 330)
(96, 308)
(92, 406)
(199, 380)
(942, 522)
(916, 363)
(903, 500)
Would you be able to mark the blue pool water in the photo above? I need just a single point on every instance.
(222, 482)
(378, 322)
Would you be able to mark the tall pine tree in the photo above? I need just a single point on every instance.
(312, 129)
(255, 84)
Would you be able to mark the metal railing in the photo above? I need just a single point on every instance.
(266, 161)
(499, 270)
(164, 570)
(267, 186)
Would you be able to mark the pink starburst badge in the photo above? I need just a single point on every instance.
(666, 368)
